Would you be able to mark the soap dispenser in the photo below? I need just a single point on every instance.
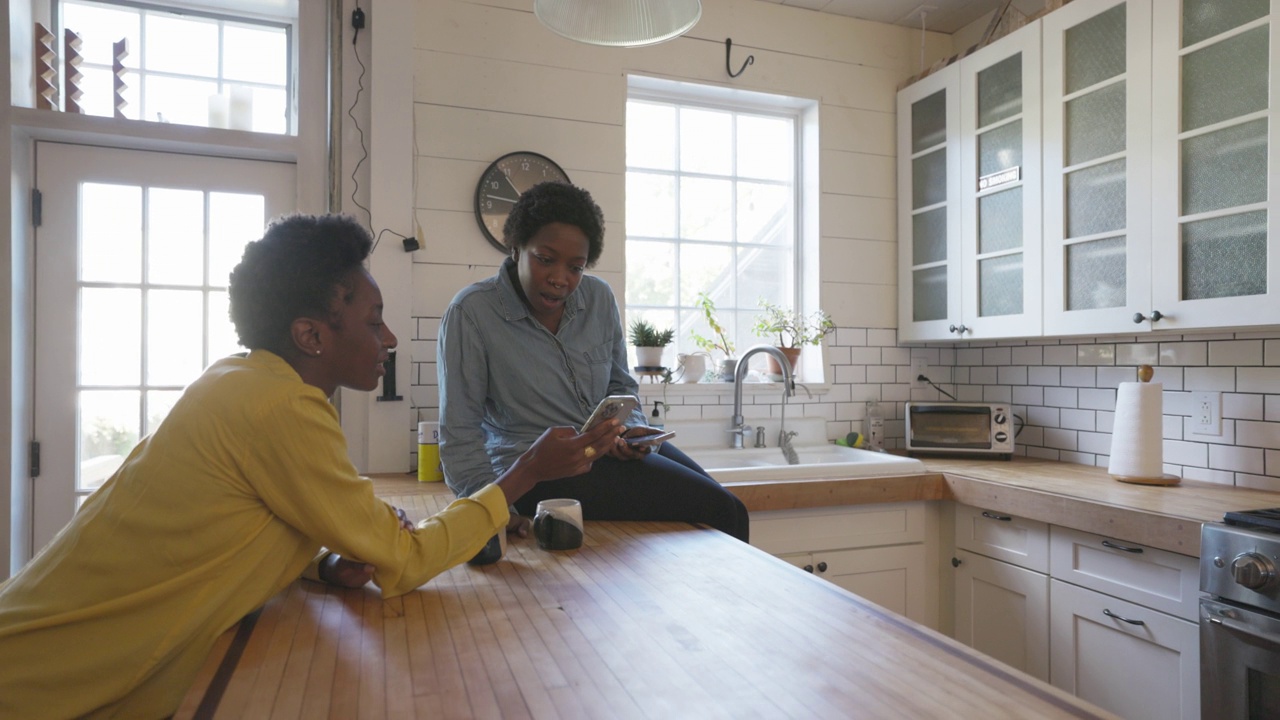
(655, 418)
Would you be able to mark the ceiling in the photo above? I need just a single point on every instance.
(945, 16)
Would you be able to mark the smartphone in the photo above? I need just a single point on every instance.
(614, 406)
(644, 440)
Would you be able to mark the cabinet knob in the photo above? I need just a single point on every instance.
(959, 329)
(1156, 316)
(955, 562)
(822, 567)
(808, 568)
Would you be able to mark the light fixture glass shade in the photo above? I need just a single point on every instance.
(618, 23)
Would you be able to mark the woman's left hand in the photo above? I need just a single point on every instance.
(624, 451)
(337, 570)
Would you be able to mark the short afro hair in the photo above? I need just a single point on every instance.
(295, 270)
(555, 202)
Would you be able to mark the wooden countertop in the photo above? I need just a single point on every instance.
(645, 620)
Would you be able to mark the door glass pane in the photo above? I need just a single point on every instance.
(1000, 91)
(929, 121)
(1225, 168)
(1096, 199)
(175, 341)
(234, 221)
(929, 179)
(1000, 221)
(110, 233)
(929, 237)
(1096, 124)
(1225, 80)
(1000, 285)
(110, 343)
(175, 236)
(109, 423)
(929, 294)
(1095, 49)
(1202, 19)
(764, 214)
(1000, 149)
(1225, 257)
(1096, 274)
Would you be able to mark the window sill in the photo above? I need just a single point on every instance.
(657, 391)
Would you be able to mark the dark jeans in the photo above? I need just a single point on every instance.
(665, 485)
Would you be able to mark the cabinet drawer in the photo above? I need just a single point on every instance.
(787, 531)
(1017, 541)
(1158, 579)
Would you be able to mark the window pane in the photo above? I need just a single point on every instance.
(110, 233)
(99, 26)
(1096, 124)
(1096, 274)
(1225, 80)
(929, 237)
(651, 205)
(1096, 199)
(234, 221)
(1000, 286)
(110, 336)
(765, 273)
(96, 90)
(765, 147)
(1202, 19)
(178, 100)
(1000, 91)
(705, 268)
(1095, 49)
(705, 141)
(270, 111)
(929, 121)
(159, 403)
(1225, 257)
(1225, 168)
(183, 45)
(254, 54)
(706, 209)
(654, 144)
(764, 214)
(175, 336)
(651, 273)
(175, 236)
(109, 421)
(223, 340)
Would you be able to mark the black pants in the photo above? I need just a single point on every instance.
(665, 485)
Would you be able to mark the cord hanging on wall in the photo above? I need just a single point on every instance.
(728, 48)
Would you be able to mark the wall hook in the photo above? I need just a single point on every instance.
(728, 48)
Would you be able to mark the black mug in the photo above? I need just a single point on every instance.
(558, 524)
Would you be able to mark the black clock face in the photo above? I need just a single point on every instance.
(506, 179)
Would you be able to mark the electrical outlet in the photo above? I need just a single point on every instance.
(1206, 413)
(919, 366)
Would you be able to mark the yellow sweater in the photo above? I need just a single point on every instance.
(206, 520)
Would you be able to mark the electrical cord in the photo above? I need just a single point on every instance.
(922, 378)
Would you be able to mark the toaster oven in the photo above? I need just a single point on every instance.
(960, 427)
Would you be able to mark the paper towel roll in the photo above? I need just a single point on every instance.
(1137, 438)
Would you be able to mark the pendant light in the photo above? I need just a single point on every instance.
(618, 23)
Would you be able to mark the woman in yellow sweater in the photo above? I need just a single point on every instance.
(235, 493)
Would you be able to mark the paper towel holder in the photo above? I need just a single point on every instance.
(1145, 373)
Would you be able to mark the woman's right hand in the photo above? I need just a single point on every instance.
(558, 453)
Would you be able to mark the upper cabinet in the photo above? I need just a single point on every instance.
(1097, 165)
(1214, 239)
(1115, 167)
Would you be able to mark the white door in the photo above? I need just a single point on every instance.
(1003, 611)
(132, 261)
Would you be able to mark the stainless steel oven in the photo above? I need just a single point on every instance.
(1240, 622)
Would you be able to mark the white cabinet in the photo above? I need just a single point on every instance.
(1097, 165)
(1216, 158)
(1155, 578)
(887, 553)
(1002, 587)
(1131, 660)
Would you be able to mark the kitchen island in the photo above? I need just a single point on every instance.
(645, 620)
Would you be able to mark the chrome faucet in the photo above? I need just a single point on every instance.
(737, 430)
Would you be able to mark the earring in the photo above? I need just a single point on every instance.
(317, 352)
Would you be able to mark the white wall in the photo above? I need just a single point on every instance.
(489, 79)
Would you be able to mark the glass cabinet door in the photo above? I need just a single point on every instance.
(1215, 161)
(1000, 185)
(928, 207)
(1097, 95)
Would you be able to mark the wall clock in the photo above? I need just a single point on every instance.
(503, 182)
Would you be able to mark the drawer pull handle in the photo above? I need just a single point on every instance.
(1113, 546)
(993, 516)
(822, 567)
(808, 568)
(1114, 616)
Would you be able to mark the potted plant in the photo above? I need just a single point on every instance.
(649, 343)
(791, 331)
(719, 341)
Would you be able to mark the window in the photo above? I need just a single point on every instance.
(187, 67)
(713, 206)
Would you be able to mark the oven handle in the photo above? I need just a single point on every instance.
(1246, 630)
(1114, 616)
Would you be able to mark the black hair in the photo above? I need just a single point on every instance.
(299, 267)
(552, 202)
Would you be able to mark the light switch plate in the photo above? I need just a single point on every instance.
(1206, 412)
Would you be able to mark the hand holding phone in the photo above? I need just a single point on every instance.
(614, 406)
(654, 440)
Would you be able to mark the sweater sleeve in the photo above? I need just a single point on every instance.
(297, 463)
(462, 370)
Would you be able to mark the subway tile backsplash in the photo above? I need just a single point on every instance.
(1063, 390)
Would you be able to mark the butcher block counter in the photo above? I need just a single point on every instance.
(645, 620)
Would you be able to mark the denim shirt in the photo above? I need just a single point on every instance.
(505, 378)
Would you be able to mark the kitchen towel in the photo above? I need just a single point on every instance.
(1137, 437)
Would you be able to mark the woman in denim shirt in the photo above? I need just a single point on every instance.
(539, 344)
